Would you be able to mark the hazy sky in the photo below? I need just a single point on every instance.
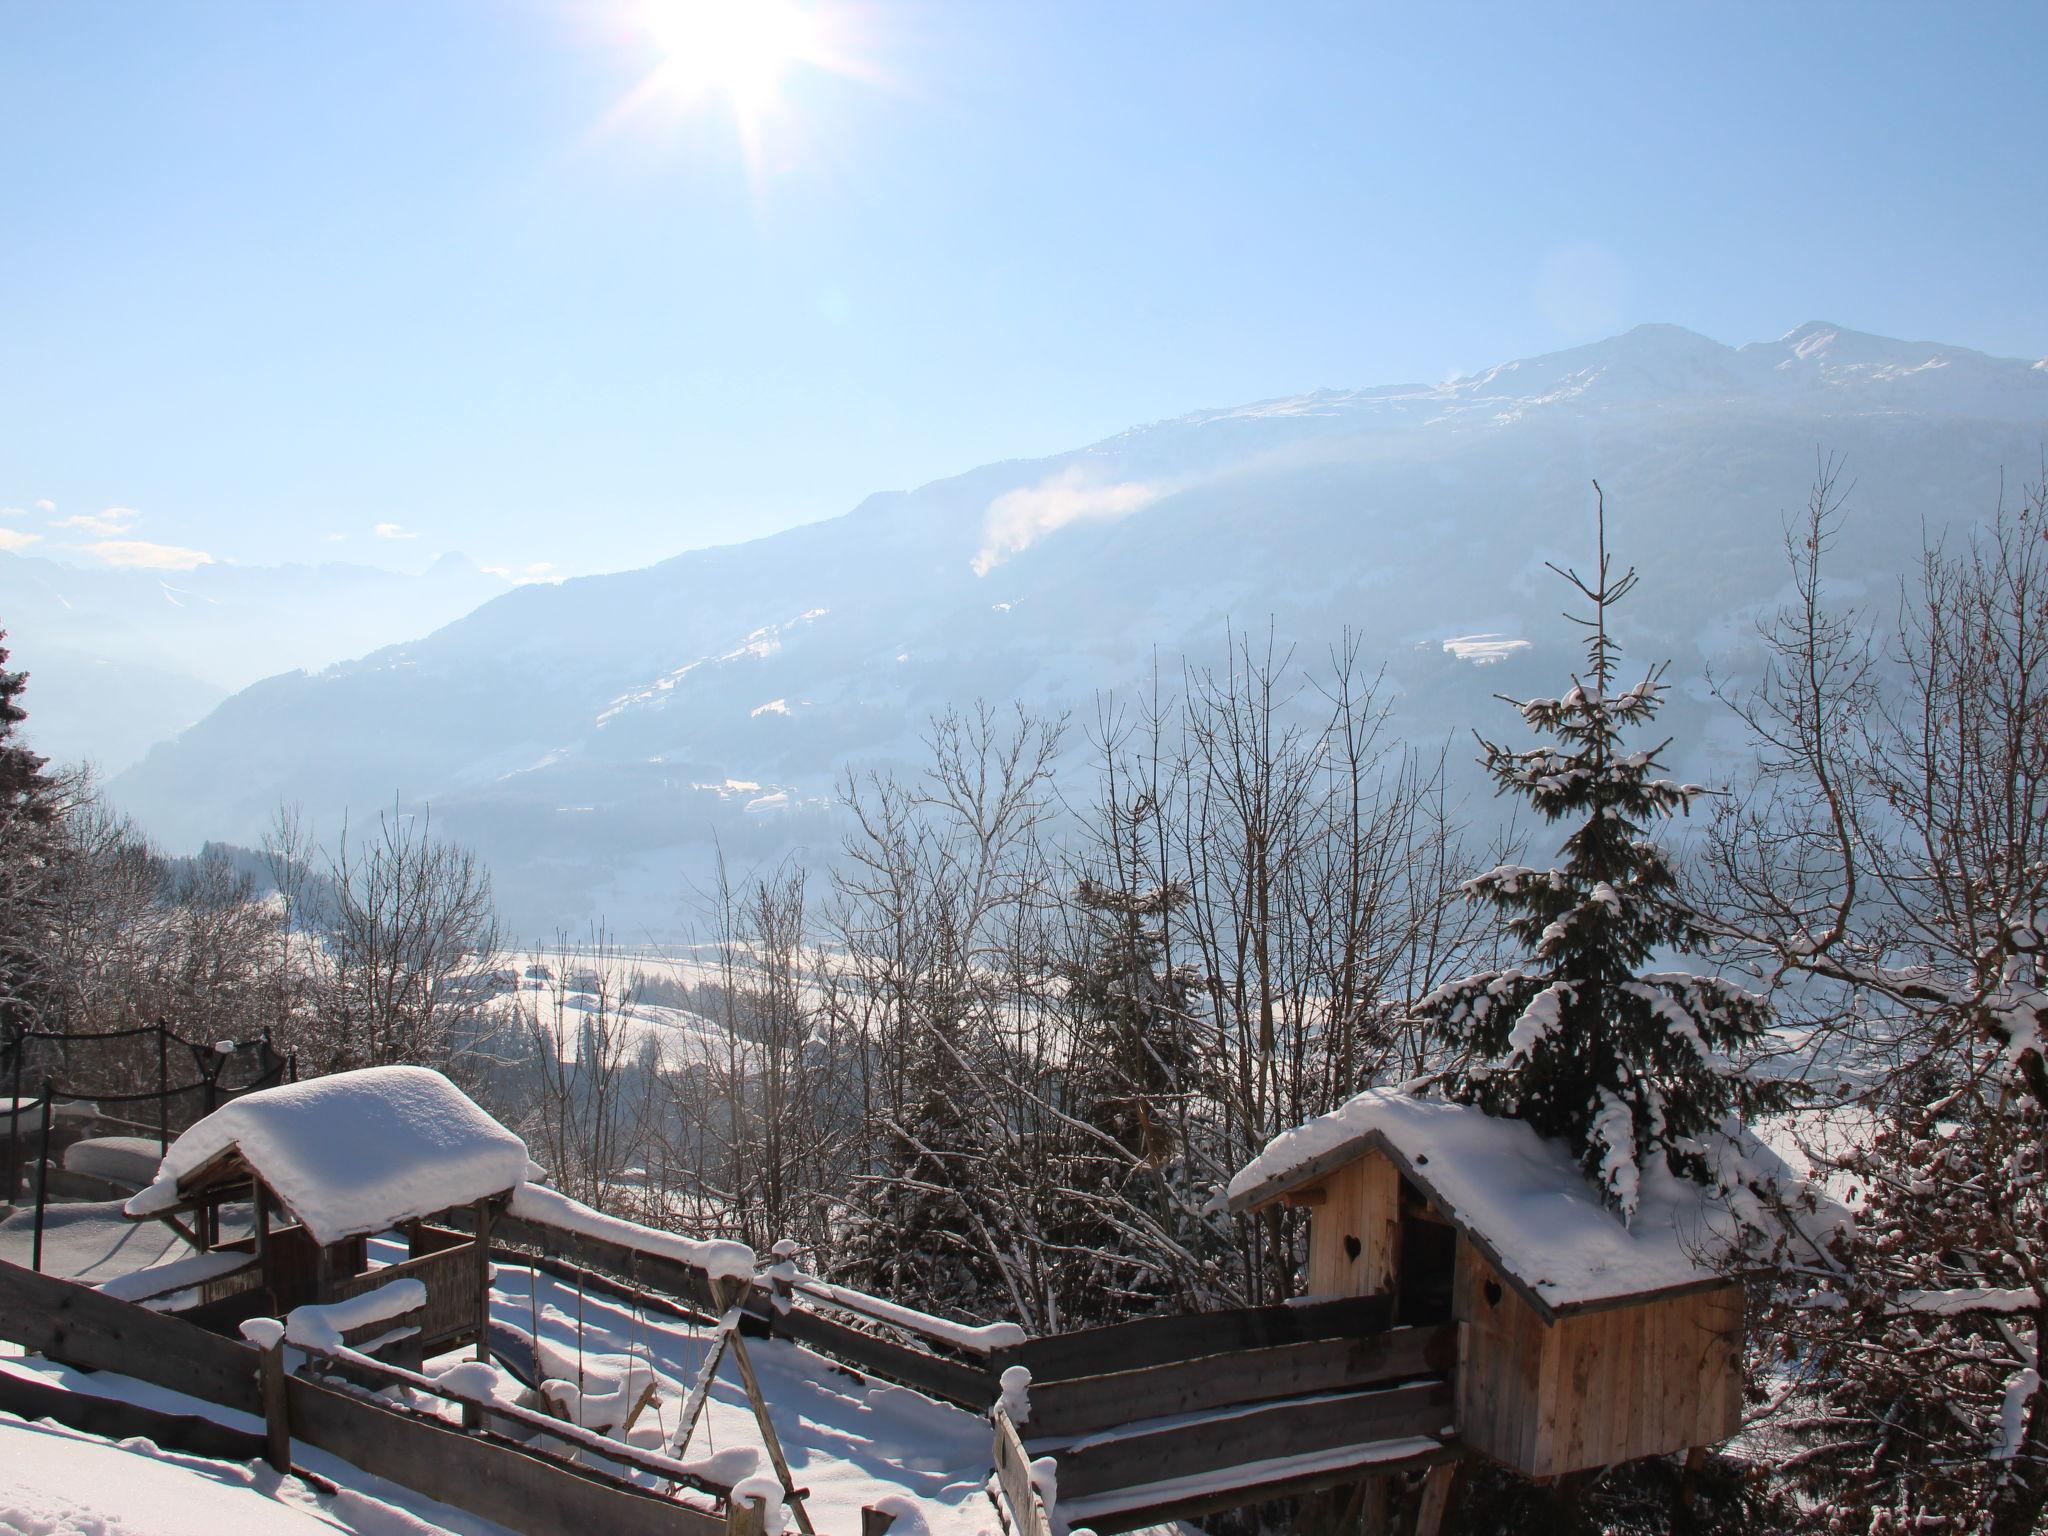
(585, 285)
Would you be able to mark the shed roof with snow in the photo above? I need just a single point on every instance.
(1518, 1197)
(350, 1154)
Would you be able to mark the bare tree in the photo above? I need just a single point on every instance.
(1886, 871)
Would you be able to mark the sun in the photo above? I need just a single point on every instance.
(740, 49)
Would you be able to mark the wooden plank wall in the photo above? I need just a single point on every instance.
(1361, 1201)
(1087, 1404)
(78, 1326)
(451, 1281)
(1237, 1437)
(1643, 1380)
(1025, 1511)
(1500, 1363)
(1163, 1340)
(1595, 1388)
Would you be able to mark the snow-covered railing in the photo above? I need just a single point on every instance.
(981, 1339)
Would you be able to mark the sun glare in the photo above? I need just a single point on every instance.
(737, 48)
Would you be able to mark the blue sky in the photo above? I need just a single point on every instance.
(275, 275)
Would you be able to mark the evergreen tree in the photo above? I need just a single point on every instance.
(1627, 1065)
(30, 842)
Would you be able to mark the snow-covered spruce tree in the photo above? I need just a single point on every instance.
(1630, 1065)
(31, 856)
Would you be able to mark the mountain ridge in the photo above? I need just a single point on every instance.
(587, 734)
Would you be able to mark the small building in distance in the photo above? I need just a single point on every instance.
(316, 1168)
(1582, 1342)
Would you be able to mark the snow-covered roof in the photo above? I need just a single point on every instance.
(1519, 1197)
(353, 1153)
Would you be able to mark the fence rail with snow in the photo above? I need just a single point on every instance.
(522, 1489)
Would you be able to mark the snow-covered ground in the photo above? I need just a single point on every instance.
(94, 1242)
(55, 1481)
(851, 1441)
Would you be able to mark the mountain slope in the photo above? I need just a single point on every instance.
(592, 737)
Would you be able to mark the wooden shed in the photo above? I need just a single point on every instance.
(317, 1168)
(1582, 1341)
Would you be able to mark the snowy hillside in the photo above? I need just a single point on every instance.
(590, 739)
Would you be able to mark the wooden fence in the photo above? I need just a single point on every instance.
(520, 1488)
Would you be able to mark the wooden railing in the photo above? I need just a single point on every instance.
(453, 1299)
(522, 1489)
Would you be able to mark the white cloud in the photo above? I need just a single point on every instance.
(140, 554)
(13, 538)
(336, 538)
(46, 505)
(1018, 519)
(393, 531)
(107, 524)
(520, 575)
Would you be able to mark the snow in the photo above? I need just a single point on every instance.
(850, 1440)
(1484, 649)
(1016, 1394)
(2012, 1412)
(764, 1487)
(1522, 1194)
(321, 1327)
(1539, 1020)
(177, 1274)
(976, 1338)
(368, 1505)
(1200, 1484)
(549, 1208)
(57, 1482)
(131, 1159)
(1951, 1303)
(354, 1153)
(92, 1241)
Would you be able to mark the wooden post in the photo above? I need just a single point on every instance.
(42, 1175)
(875, 1522)
(769, 1438)
(1435, 1500)
(745, 1517)
(483, 1281)
(277, 1428)
(163, 1088)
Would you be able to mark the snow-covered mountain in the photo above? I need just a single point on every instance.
(121, 659)
(591, 738)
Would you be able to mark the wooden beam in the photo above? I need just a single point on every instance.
(1245, 1436)
(1315, 1194)
(1086, 1404)
(954, 1381)
(1435, 1499)
(1162, 1340)
(277, 1422)
(1026, 1514)
(1141, 1507)
(1315, 1169)
(773, 1441)
(114, 1419)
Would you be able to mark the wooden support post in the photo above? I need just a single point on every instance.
(1434, 1502)
(745, 1517)
(483, 1280)
(277, 1427)
(875, 1522)
(769, 1438)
